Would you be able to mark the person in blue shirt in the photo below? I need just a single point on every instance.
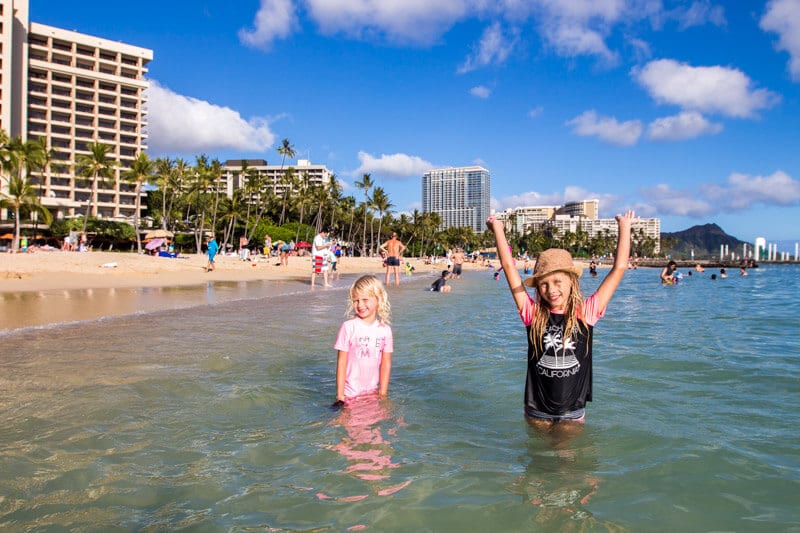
(213, 248)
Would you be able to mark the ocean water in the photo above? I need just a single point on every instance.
(214, 416)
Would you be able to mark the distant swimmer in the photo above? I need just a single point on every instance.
(668, 273)
(440, 285)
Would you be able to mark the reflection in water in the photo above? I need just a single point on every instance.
(561, 478)
(368, 452)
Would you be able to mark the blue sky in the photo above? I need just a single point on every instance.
(684, 110)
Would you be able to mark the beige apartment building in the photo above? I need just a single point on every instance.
(571, 217)
(73, 89)
(271, 175)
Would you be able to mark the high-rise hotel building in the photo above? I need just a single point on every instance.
(72, 90)
(460, 195)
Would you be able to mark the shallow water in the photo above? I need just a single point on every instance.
(215, 417)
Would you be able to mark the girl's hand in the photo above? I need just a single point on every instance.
(625, 218)
(490, 222)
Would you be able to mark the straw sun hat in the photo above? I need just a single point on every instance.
(552, 260)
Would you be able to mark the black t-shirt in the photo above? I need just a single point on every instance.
(559, 380)
(438, 284)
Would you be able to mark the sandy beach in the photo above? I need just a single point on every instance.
(94, 270)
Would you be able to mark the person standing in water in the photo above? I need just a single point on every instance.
(559, 324)
(393, 248)
(365, 343)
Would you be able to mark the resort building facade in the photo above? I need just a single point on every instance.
(72, 90)
(239, 172)
(460, 195)
(573, 217)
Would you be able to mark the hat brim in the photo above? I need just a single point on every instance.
(531, 281)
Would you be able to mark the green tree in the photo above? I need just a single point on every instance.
(285, 150)
(98, 167)
(140, 172)
(380, 200)
(22, 196)
(365, 184)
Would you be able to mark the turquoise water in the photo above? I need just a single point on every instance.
(215, 417)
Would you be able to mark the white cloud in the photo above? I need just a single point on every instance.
(493, 48)
(535, 112)
(580, 27)
(738, 193)
(783, 17)
(699, 14)
(608, 129)
(404, 21)
(397, 166)
(481, 91)
(717, 89)
(608, 203)
(274, 20)
(184, 124)
(741, 191)
(682, 126)
(668, 201)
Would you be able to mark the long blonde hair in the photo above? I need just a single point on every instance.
(372, 286)
(574, 314)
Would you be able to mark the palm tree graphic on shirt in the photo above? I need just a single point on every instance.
(559, 353)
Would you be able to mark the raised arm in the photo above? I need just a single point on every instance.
(507, 262)
(606, 289)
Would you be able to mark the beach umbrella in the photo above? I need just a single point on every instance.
(303, 244)
(155, 243)
(158, 234)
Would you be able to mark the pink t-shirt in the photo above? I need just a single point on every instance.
(591, 314)
(365, 345)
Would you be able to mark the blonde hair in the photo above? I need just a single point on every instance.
(574, 313)
(371, 286)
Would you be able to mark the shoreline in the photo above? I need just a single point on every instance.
(43, 271)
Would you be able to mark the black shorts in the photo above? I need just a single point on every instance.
(392, 261)
(457, 269)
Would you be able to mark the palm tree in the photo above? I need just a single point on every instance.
(288, 179)
(334, 197)
(366, 184)
(95, 166)
(164, 169)
(303, 185)
(380, 200)
(215, 171)
(140, 172)
(21, 195)
(198, 196)
(286, 150)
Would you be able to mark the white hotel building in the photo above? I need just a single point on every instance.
(271, 175)
(460, 195)
(73, 89)
(573, 216)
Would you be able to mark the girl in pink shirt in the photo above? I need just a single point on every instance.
(364, 343)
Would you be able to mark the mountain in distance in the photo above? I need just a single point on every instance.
(705, 240)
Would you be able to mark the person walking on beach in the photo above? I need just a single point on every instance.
(364, 344)
(559, 325)
(393, 248)
(212, 249)
(319, 257)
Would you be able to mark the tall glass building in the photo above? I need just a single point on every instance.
(460, 195)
